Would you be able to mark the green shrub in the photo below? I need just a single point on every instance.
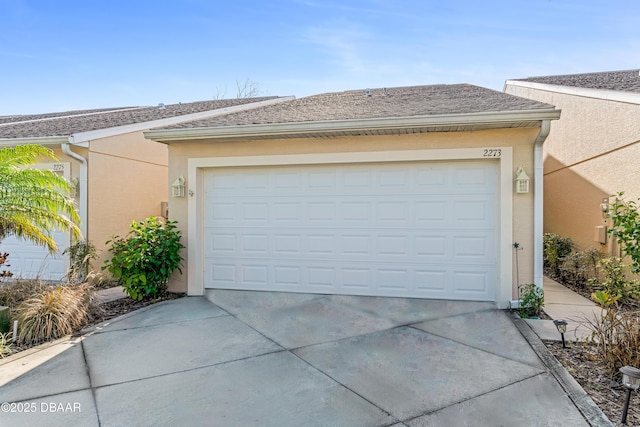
(531, 300)
(144, 259)
(556, 248)
(80, 256)
(614, 281)
(626, 228)
(55, 311)
(579, 266)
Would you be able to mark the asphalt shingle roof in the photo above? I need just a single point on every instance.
(623, 81)
(67, 123)
(390, 102)
(28, 117)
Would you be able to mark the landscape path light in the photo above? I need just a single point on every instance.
(631, 381)
(561, 325)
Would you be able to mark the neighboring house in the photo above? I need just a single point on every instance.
(591, 153)
(388, 192)
(120, 176)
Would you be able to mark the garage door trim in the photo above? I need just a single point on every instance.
(197, 166)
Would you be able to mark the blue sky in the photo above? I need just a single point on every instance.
(69, 54)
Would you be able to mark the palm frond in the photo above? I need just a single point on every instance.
(34, 203)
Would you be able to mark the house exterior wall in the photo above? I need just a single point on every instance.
(591, 153)
(127, 177)
(521, 141)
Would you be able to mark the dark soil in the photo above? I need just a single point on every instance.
(125, 305)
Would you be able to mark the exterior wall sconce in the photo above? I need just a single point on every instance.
(561, 325)
(177, 188)
(522, 180)
(604, 207)
(631, 381)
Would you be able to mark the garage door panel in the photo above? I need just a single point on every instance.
(471, 282)
(431, 281)
(418, 229)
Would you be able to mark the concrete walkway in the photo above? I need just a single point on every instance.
(280, 359)
(563, 303)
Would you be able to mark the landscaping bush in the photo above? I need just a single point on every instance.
(578, 267)
(616, 335)
(54, 311)
(615, 282)
(626, 228)
(144, 259)
(556, 248)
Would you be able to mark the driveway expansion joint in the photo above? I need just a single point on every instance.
(346, 387)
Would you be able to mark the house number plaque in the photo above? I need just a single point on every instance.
(492, 152)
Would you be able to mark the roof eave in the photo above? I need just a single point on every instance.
(47, 141)
(276, 130)
(605, 94)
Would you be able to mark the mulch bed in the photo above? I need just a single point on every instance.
(112, 310)
(581, 361)
(126, 305)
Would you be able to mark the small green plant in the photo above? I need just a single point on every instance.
(604, 300)
(531, 300)
(55, 311)
(144, 259)
(556, 248)
(81, 254)
(5, 345)
(626, 228)
(615, 281)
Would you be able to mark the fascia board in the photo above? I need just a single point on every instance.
(46, 141)
(275, 129)
(81, 137)
(608, 95)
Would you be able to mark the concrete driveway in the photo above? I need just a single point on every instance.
(280, 359)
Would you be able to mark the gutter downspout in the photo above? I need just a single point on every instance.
(538, 203)
(66, 149)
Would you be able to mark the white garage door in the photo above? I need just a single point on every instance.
(424, 229)
(29, 261)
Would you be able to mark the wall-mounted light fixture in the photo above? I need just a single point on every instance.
(522, 180)
(604, 207)
(177, 188)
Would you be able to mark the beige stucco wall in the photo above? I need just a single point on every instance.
(127, 177)
(520, 139)
(590, 154)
